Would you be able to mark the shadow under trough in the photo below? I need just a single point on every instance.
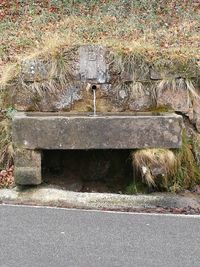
(88, 170)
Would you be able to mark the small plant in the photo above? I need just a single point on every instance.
(136, 188)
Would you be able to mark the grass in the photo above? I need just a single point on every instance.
(6, 146)
(156, 32)
(6, 151)
(196, 148)
(155, 28)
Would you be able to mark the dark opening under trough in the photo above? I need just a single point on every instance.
(88, 170)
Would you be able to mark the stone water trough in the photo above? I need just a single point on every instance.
(34, 132)
(61, 131)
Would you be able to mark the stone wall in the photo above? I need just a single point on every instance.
(123, 83)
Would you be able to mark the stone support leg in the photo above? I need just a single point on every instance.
(28, 167)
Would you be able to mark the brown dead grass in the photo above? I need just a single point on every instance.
(146, 159)
(180, 167)
(6, 145)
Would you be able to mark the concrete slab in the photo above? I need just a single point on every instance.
(107, 131)
(47, 195)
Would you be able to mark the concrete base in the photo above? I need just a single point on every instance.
(49, 196)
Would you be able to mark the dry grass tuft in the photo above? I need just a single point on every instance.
(7, 178)
(6, 145)
(188, 172)
(146, 161)
(180, 84)
(50, 47)
(53, 73)
(194, 93)
(10, 72)
(172, 84)
(169, 170)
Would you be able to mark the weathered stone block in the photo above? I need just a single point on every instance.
(27, 176)
(28, 167)
(109, 131)
(174, 95)
(135, 69)
(174, 70)
(141, 97)
(92, 64)
(141, 71)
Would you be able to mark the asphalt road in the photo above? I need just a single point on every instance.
(48, 237)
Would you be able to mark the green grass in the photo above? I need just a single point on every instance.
(136, 188)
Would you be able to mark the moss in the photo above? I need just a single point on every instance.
(136, 188)
(160, 109)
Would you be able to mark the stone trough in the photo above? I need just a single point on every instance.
(104, 131)
(65, 131)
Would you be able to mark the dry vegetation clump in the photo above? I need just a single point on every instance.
(188, 172)
(6, 152)
(180, 84)
(6, 146)
(7, 178)
(52, 72)
(168, 170)
(155, 166)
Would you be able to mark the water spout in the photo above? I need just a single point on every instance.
(94, 100)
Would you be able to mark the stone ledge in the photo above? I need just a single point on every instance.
(114, 131)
